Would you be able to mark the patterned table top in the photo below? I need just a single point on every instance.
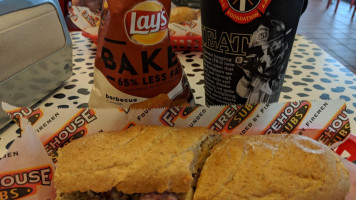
(311, 75)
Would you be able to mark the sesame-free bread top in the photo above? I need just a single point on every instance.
(141, 159)
(270, 167)
(181, 14)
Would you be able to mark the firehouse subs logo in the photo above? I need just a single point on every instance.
(33, 115)
(244, 11)
(170, 115)
(23, 183)
(337, 129)
(231, 117)
(73, 129)
(288, 118)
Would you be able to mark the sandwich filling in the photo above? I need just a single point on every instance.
(116, 195)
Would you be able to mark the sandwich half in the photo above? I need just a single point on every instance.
(139, 163)
(270, 167)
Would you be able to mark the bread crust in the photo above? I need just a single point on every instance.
(272, 167)
(141, 159)
(181, 14)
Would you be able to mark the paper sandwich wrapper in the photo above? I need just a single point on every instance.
(26, 170)
(85, 19)
(45, 130)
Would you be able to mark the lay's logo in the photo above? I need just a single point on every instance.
(288, 118)
(23, 183)
(147, 23)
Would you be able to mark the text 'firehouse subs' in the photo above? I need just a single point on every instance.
(74, 129)
(20, 184)
(337, 129)
(231, 117)
(170, 115)
(289, 118)
(33, 115)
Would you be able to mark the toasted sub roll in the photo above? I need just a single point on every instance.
(274, 167)
(142, 162)
(181, 14)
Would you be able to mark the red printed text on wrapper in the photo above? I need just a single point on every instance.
(90, 19)
(75, 128)
(170, 115)
(72, 15)
(288, 118)
(33, 115)
(231, 117)
(337, 129)
(24, 183)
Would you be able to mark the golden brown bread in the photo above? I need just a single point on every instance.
(181, 14)
(272, 167)
(141, 159)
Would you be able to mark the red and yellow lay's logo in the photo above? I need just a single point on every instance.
(244, 11)
(147, 23)
(23, 183)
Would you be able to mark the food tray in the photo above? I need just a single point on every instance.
(350, 147)
(186, 43)
(179, 43)
(93, 38)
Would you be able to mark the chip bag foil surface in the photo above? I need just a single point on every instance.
(135, 64)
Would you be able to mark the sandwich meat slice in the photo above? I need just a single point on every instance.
(139, 163)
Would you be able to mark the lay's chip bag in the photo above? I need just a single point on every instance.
(135, 65)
